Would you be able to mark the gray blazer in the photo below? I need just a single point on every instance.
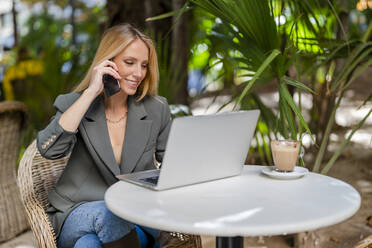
(92, 167)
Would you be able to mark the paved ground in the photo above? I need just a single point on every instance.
(25, 240)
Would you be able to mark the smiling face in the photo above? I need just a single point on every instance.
(132, 64)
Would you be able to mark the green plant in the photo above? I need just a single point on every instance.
(267, 49)
(263, 56)
(62, 65)
(357, 62)
(170, 78)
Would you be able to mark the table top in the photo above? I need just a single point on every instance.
(251, 204)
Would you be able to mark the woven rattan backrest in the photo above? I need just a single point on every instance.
(12, 215)
(36, 177)
(42, 173)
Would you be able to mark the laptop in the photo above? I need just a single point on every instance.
(200, 149)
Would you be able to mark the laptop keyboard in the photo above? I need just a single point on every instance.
(152, 180)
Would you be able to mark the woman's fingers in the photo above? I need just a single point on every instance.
(106, 67)
(108, 63)
(113, 65)
(110, 71)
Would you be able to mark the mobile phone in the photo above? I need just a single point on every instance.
(110, 84)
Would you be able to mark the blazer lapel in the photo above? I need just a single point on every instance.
(97, 133)
(136, 135)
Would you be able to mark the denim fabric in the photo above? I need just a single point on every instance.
(142, 237)
(88, 241)
(92, 222)
(147, 236)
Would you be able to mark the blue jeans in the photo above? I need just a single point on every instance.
(91, 224)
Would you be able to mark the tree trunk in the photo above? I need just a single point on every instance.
(72, 22)
(15, 31)
(130, 11)
(136, 12)
(325, 100)
(160, 28)
(180, 54)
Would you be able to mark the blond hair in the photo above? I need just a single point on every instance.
(114, 41)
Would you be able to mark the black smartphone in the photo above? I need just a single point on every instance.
(110, 84)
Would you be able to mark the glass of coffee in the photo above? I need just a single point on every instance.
(285, 154)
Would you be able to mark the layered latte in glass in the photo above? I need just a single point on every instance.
(285, 154)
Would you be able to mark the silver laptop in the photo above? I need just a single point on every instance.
(200, 149)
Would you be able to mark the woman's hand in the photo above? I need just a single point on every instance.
(106, 67)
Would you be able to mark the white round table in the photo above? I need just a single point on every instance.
(251, 204)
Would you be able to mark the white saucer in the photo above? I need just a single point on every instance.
(296, 173)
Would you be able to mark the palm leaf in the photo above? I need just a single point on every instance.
(266, 63)
(287, 114)
(253, 55)
(251, 18)
(266, 148)
(259, 148)
(357, 74)
(330, 163)
(281, 122)
(267, 114)
(367, 33)
(339, 21)
(226, 104)
(365, 101)
(350, 65)
(177, 12)
(288, 98)
(297, 84)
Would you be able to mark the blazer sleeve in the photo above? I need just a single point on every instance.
(54, 142)
(161, 141)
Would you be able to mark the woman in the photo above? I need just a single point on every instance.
(106, 136)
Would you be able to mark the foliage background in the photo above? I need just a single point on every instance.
(316, 47)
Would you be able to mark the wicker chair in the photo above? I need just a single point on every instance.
(12, 215)
(365, 243)
(36, 176)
